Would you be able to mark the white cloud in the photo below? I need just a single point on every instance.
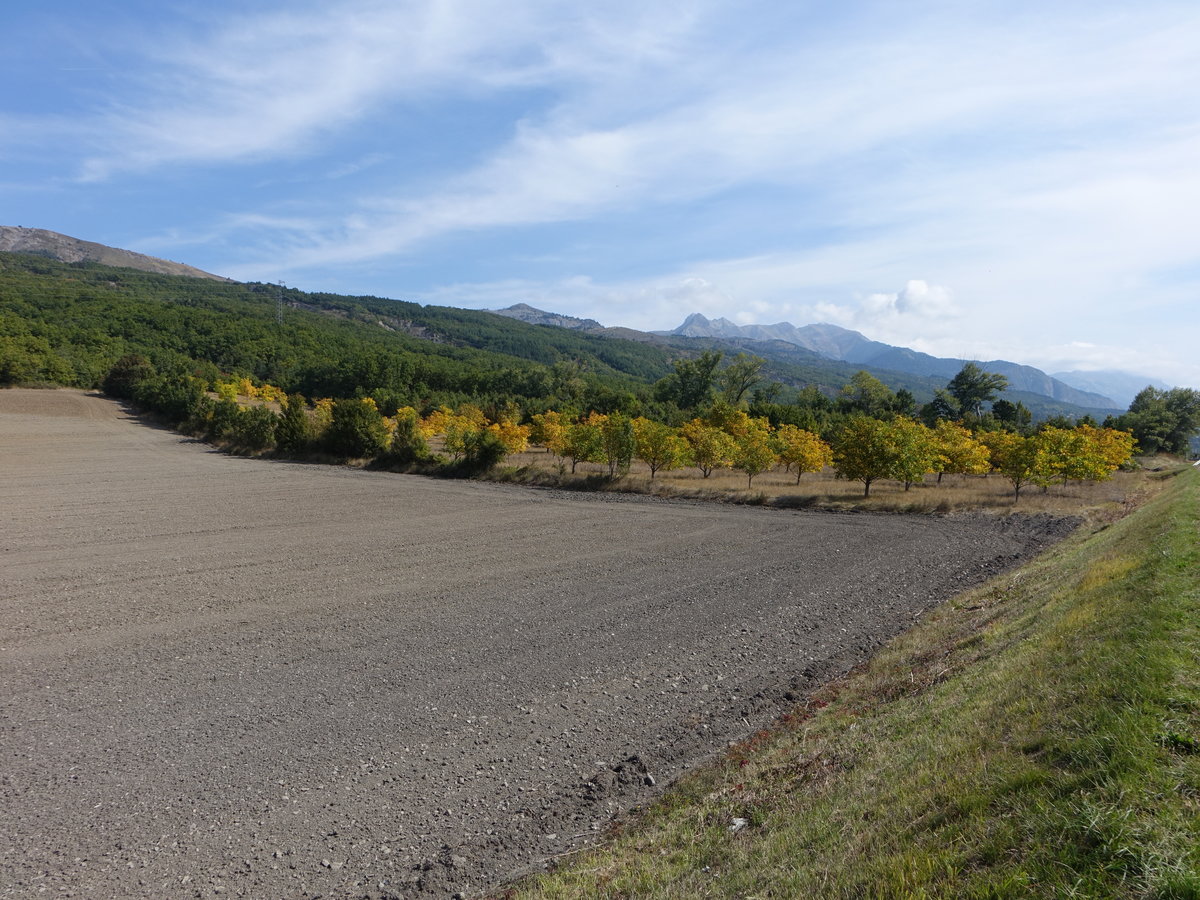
(917, 299)
(812, 121)
(1038, 159)
(270, 85)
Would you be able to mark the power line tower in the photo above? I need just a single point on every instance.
(279, 305)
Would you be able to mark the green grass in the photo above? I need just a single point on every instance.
(1038, 737)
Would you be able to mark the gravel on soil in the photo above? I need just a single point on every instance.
(238, 677)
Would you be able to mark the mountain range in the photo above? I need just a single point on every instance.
(834, 342)
(821, 354)
(1121, 386)
(786, 342)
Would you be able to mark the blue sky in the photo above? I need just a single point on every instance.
(1015, 180)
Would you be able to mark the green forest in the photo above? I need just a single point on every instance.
(168, 342)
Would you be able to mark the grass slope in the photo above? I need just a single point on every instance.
(1039, 737)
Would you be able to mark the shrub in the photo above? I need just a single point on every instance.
(255, 428)
(356, 430)
(293, 431)
(482, 450)
(126, 374)
(408, 444)
(175, 397)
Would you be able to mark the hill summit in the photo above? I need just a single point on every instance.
(40, 242)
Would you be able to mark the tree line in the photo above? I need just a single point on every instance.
(166, 342)
(861, 447)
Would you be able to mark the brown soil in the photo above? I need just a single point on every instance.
(262, 679)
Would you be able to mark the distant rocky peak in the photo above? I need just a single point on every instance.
(534, 316)
(698, 325)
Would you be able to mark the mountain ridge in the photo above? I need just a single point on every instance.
(809, 347)
(845, 345)
(1121, 386)
(67, 249)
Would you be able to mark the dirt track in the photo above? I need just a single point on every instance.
(235, 677)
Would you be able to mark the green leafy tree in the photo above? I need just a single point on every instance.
(863, 451)
(255, 428)
(483, 450)
(293, 431)
(972, 387)
(356, 429)
(810, 398)
(459, 432)
(742, 373)
(222, 420)
(1013, 416)
(942, 408)
(904, 403)
(690, 386)
(581, 441)
(866, 394)
(1163, 421)
(126, 374)
(914, 451)
(408, 444)
(174, 397)
(617, 443)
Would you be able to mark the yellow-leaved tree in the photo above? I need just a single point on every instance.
(659, 446)
(711, 448)
(514, 437)
(755, 451)
(322, 416)
(548, 429)
(913, 449)
(801, 449)
(958, 452)
(246, 388)
(1013, 456)
(1106, 450)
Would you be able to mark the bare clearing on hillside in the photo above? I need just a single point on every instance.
(269, 679)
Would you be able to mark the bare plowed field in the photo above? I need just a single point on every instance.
(262, 679)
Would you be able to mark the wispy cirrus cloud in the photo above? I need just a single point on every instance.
(267, 85)
(1022, 161)
(872, 151)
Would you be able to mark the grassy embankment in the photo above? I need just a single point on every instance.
(1039, 736)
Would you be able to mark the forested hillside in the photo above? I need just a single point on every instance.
(68, 323)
